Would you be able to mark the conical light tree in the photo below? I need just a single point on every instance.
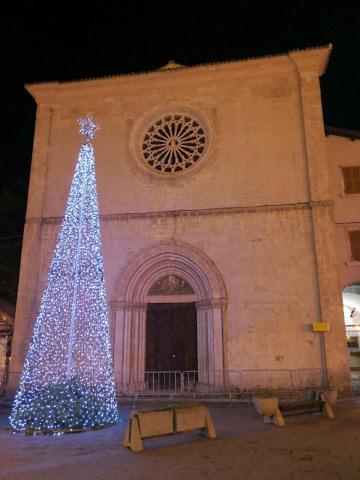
(67, 381)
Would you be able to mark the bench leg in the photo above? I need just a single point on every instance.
(209, 426)
(278, 419)
(326, 407)
(126, 441)
(132, 438)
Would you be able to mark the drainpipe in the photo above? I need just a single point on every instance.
(324, 368)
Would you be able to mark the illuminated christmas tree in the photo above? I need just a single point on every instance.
(68, 382)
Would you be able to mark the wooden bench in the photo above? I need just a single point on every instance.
(299, 407)
(315, 403)
(155, 423)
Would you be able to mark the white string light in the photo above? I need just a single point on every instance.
(67, 381)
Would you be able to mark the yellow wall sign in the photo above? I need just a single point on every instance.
(320, 327)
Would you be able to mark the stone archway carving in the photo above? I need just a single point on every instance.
(129, 303)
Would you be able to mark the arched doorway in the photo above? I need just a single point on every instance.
(141, 284)
(171, 353)
(351, 304)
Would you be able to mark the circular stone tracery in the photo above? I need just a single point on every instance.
(174, 143)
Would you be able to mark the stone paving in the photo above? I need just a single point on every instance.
(308, 448)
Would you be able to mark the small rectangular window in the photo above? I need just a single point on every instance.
(354, 236)
(351, 177)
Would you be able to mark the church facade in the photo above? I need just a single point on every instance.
(217, 220)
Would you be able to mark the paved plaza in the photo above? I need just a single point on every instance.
(310, 447)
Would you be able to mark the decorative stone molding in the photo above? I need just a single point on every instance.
(171, 285)
(217, 302)
(129, 307)
(171, 140)
(198, 212)
(312, 59)
(311, 62)
(173, 257)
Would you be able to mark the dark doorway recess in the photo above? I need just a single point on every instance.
(171, 343)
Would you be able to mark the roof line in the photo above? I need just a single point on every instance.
(342, 132)
(161, 69)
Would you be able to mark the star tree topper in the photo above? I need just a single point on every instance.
(88, 128)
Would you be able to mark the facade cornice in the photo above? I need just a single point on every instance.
(211, 302)
(60, 93)
(197, 212)
(342, 132)
(312, 62)
(132, 306)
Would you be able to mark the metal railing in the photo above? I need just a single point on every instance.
(228, 381)
(205, 383)
(175, 381)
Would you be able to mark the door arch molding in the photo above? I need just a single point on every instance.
(129, 303)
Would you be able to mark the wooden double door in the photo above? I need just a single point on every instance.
(171, 337)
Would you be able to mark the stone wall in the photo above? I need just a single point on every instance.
(344, 152)
(258, 206)
(266, 259)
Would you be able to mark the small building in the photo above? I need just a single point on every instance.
(343, 152)
(217, 219)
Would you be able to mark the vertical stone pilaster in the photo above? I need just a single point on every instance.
(218, 339)
(126, 361)
(118, 345)
(129, 345)
(210, 341)
(332, 344)
(142, 340)
(202, 348)
(39, 163)
(27, 304)
(138, 344)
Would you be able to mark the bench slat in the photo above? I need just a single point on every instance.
(307, 405)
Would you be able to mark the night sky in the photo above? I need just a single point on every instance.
(61, 40)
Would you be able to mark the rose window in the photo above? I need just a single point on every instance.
(174, 143)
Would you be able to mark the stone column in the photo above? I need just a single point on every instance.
(218, 340)
(129, 345)
(118, 315)
(210, 342)
(309, 65)
(202, 345)
(138, 339)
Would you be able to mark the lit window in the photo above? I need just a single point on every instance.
(354, 236)
(351, 177)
